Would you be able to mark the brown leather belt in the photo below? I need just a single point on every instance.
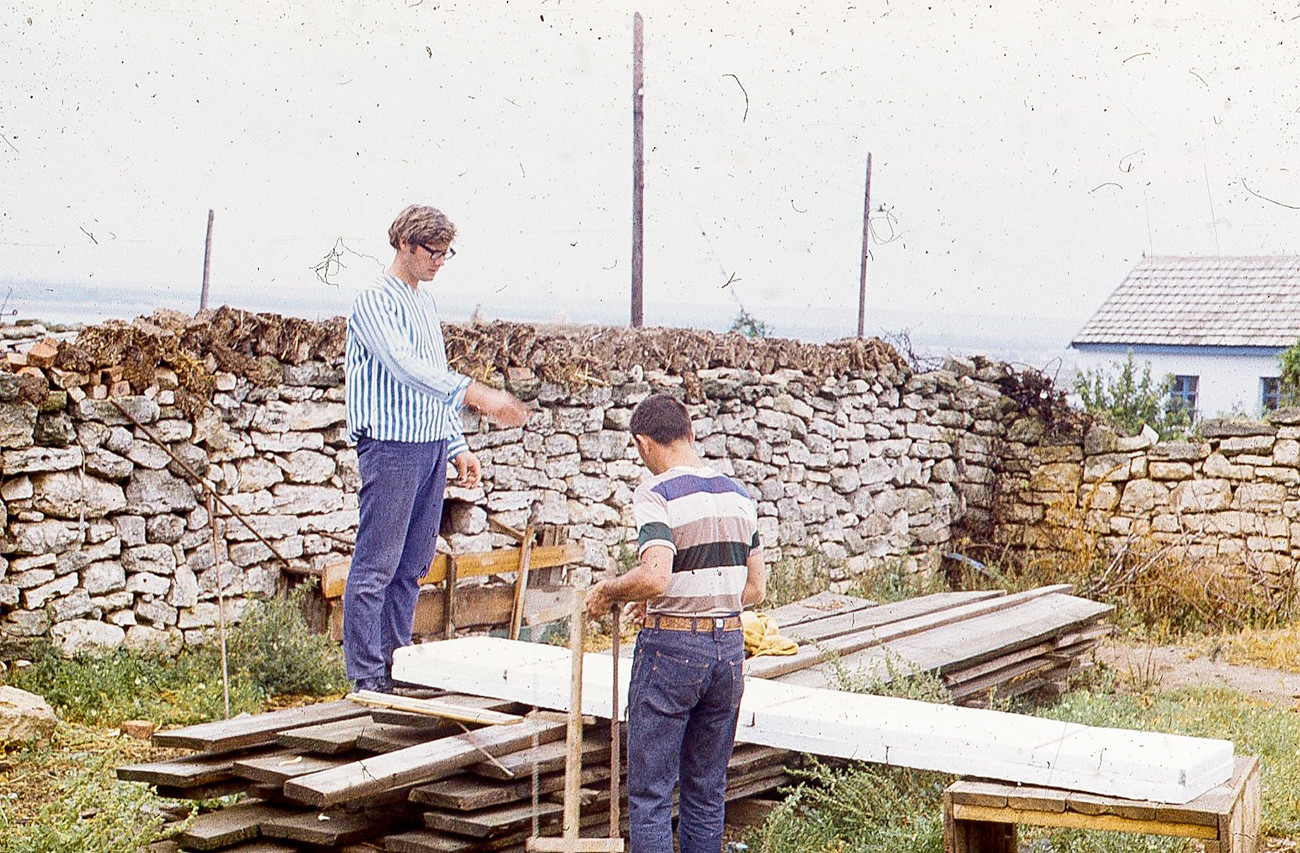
(695, 624)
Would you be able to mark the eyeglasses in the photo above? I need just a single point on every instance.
(446, 254)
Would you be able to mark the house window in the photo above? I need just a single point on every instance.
(1182, 395)
(1270, 392)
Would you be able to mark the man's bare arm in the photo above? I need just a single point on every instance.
(648, 579)
(755, 580)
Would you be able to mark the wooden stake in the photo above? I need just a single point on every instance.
(221, 603)
(521, 582)
(866, 249)
(570, 842)
(615, 740)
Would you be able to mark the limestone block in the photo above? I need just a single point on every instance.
(25, 716)
(158, 559)
(143, 409)
(69, 494)
(17, 489)
(122, 618)
(1286, 451)
(245, 554)
(1227, 523)
(1056, 477)
(306, 500)
(73, 606)
(267, 442)
(1260, 444)
(1261, 496)
(34, 459)
(1110, 467)
(146, 454)
(148, 584)
(258, 473)
(37, 597)
(149, 640)
(86, 636)
(9, 595)
(330, 522)
(185, 588)
(103, 577)
(1288, 475)
(308, 466)
(1143, 496)
(315, 414)
(166, 528)
(17, 423)
(151, 492)
(25, 623)
(44, 537)
(190, 456)
(1202, 496)
(1161, 470)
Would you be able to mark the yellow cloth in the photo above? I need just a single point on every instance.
(762, 636)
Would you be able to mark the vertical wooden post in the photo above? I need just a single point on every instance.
(638, 171)
(573, 738)
(866, 248)
(207, 261)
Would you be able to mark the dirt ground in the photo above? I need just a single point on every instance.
(1182, 666)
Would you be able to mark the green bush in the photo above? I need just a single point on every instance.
(1127, 401)
(275, 651)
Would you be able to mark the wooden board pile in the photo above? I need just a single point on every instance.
(342, 773)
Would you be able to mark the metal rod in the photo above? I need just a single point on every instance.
(866, 250)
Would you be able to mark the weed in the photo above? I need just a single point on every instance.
(888, 674)
(796, 577)
(277, 653)
(1278, 648)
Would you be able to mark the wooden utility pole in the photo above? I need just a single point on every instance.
(638, 171)
(866, 249)
(207, 260)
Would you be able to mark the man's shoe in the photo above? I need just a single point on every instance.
(375, 685)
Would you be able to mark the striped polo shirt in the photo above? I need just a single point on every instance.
(711, 524)
(398, 385)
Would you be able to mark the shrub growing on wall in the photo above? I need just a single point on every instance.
(1127, 400)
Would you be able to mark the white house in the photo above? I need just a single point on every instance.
(1216, 324)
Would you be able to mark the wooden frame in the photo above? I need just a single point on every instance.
(982, 817)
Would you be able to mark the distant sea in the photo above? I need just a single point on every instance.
(1042, 343)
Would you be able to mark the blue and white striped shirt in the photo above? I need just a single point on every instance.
(398, 385)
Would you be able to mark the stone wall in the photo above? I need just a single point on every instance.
(108, 538)
(1229, 499)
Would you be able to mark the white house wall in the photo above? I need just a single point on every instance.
(1229, 381)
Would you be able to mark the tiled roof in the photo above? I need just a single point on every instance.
(1244, 301)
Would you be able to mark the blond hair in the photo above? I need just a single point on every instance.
(420, 224)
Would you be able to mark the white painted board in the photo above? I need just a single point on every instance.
(901, 732)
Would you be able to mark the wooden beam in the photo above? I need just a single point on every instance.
(435, 708)
(245, 732)
(415, 765)
(496, 562)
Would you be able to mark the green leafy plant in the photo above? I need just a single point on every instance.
(1128, 400)
(1288, 362)
(275, 651)
(749, 325)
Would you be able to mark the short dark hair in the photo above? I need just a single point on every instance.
(662, 418)
(420, 224)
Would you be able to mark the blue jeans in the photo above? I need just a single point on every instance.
(682, 708)
(402, 486)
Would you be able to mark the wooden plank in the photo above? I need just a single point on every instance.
(323, 829)
(818, 606)
(1030, 750)
(277, 769)
(491, 821)
(210, 791)
(187, 771)
(827, 627)
(256, 730)
(326, 738)
(848, 644)
(1074, 820)
(548, 757)
(388, 737)
(495, 562)
(434, 708)
(417, 764)
(227, 826)
(965, 643)
(469, 791)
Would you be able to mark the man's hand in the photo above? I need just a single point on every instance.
(599, 601)
(634, 614)
(500, 407)
(467, 470)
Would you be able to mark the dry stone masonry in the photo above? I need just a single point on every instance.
(113, 448)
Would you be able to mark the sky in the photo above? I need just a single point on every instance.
(1025, 155)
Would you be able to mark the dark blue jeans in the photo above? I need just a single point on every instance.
(682, 708)
(402, 486)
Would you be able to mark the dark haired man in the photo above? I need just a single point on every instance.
(699, 563)
(403, 408)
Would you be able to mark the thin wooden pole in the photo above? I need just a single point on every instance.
(638, 170)
(866, 249)
(207, 261)
(221, 602)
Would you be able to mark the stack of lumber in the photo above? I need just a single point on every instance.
(344, 775)
(983, 644)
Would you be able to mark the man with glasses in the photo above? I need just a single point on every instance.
(403, 410)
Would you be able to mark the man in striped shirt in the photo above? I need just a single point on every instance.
(403, 408)
(699, 563)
